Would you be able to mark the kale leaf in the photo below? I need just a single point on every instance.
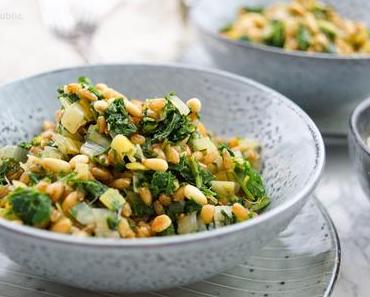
(276, 36)
(162, 182)
(118, 119)
(303, 38)
(31, 206)
(7, 167)
(139, 208)
(93, 189)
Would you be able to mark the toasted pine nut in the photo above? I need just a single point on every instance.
(86, 94)
(121, 183)
(164, 199)
(194, 104)
(70, 201)
(124, 229)
(143, 231)
(126, 210)
(198, 155)
(207, 213)
(172, 155)
(161, 223)
(64, 225)
(137, 139)
(101, 174)
(132, 109)
(48, 125)
(109, 93)
(155, 164)
(55, 215)
(179, 194)
(100, 106)
(158, 208)
(146, 195)
(72, 88)
(78, 159)
(24, 178)
(239, 211)
(55, 191)
(226, 160)
(42, 186)
(233, 142)
(56, 165)
(102, 124)
(160, 153)
(100, 87)
(201, 129)
(195, 194)
(157, 104)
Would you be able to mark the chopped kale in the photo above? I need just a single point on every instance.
(169, 231)
(25, 145)
(255, 9)
(88, 84)
(139, 208)
(118, 119)
(175, 209)
(276, 36)
(31, 206)
(303, 38)
(93, 189)
(162, 182)
(7, 168)
(191, 206)
(113, 222)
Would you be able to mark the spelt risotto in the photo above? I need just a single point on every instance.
(304, 25)
(114, 167)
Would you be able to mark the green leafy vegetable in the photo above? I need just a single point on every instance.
(118, 119)
(31, 206)
(249, 179)
(162, 182)
(88, 84)
(7, 168)
(226, 28)
(93, 189)
(255, 9)
(139, 208)
(169, 231)
(191, 206)
(276, 36)
(175, 209)
(303, 38)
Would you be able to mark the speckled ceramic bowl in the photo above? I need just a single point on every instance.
(359, 131)
(327, 86)
(293, 154)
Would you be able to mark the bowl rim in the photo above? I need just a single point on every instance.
(353, 124)
(313, 179)
(272, 49)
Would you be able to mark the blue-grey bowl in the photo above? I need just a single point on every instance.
(327, 86)
(359, 131)
(293, 155)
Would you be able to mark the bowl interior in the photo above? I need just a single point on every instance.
(214, 14)
(292, 148)
(360, 123)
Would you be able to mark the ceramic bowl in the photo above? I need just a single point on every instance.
(293, 155)
(327, 86)
(359, 151)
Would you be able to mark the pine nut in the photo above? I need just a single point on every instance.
(100, 106)
(55, 215)
(137, 139)
(158, 207)
(143, 231)
(132, 109)
(172, 155)
(64, 225)
(198, 155)
(146, 195)
(101, 174)
(56, 165)
(124, 229)
(42, 186)
(227, 161)
(194, 104)
(160, 153)
(121, 183)
(55, 191)
(101, 87)
(179, 195)
(78, 159)
(70, 201)
(109, 93)
(209, 158)
(126, 210)
(164, 199)
(240, 212)
(24, 178)
(72, 88)
(201, 129)
(195, 194)
(157, 104)
(155, 164)
(102, 124)
(207, 213)
(86, 94)
(161, 223)
(233, 142)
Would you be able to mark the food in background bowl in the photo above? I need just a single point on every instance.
(113, 167)
(305, 25)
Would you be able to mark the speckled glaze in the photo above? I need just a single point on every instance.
(293, 154)
(359, 131)
(317, 82)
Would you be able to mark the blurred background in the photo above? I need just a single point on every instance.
(39, 35)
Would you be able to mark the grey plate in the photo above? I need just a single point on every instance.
(302, 262)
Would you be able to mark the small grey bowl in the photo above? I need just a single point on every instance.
(326, 86)
(293, 155)
(359, 131)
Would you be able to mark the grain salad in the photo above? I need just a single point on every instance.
(113, 167)
(304, 25)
